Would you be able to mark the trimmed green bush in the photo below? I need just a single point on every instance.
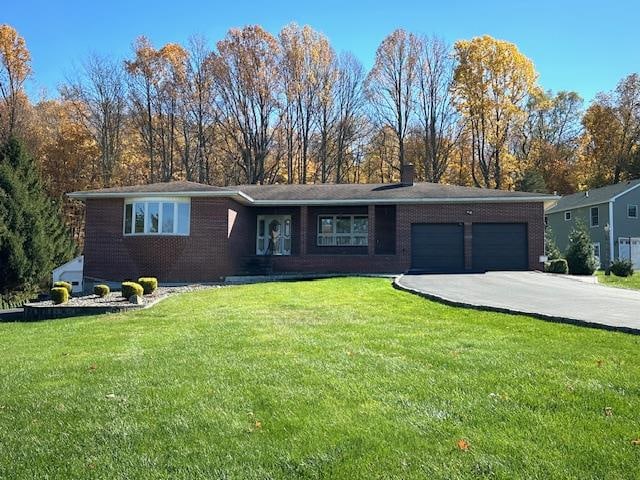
(622, 267)
(101, 290)
(558, 265)
(149, 284)
(59, 295)
(66, 285)
(131, 288)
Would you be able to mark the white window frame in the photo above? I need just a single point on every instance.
(591, 224)
(634, 206)
(567, 215)
(334, 235)
(159, 200)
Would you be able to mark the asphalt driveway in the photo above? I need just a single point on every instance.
(543, 295)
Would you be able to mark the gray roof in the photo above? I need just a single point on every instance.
(592, 197)
(322, 193)
(163, 187)
(371, 191)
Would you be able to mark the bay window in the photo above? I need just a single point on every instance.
(157, 217)
(343, 230)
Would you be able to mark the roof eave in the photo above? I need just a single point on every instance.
(405, 201)
(241, 196)
(248, 200)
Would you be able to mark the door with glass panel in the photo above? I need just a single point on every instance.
(273, 235)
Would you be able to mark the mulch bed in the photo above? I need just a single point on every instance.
(114, 299)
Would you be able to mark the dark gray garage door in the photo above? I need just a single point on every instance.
(437, 247)
(499, 246)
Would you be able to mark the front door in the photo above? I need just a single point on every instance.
(273, 235)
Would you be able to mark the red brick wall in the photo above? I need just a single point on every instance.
(223, 236)
(203, 256)
(530, 213)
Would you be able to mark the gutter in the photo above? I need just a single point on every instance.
(611, 234)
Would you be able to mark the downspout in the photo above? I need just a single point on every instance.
(611, 234)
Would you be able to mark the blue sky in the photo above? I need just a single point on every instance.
(586, 46)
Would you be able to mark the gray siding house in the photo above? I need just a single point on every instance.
(611, 215)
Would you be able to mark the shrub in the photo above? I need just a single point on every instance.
(580, 257)
(101, 290)
(66, 285)
(558, 265)
(622, 267)
(59, 295)
(149, 284)
(131, 288)
(550, 247)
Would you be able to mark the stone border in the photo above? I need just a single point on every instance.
(487, 308)
(34, 313)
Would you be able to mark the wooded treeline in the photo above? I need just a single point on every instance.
(288, 108)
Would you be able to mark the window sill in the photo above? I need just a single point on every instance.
(152, 235)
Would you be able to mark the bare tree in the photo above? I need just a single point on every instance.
(350, 122)
(199, 104)
(247, 80)
(391, 84)
(307, 61)
(98, 94)
(440, 123)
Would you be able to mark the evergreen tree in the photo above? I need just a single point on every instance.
(33, 238)
(551, 249)
(532, 181)
(580, 256)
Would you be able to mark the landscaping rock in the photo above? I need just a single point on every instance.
(136, 300)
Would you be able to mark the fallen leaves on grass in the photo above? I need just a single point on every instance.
(93, 367)
(463, 445)
(599, 363)
(608, 411)
(635, 442)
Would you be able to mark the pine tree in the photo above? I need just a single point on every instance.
(33, 238)
(532, 181)
(551, 249)
(580, 256)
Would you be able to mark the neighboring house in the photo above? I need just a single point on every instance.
(611, 216)
(71, 272)
(190, 232)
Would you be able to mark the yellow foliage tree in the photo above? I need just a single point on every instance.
(492, 83)
(15, 68)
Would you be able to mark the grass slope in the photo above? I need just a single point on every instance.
(632, 282)
(341, 378)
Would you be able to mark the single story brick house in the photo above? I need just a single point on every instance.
(190, 232)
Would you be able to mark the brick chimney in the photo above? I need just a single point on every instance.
(406, 174)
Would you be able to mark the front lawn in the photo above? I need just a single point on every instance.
(340, 378)
(632, 282)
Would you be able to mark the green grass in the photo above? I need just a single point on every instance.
(632, 282)
(340, 378)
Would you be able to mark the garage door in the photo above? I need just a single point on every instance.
(437, 247)
(499, 246)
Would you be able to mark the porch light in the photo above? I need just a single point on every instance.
(607, 228)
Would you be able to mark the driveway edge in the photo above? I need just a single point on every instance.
(487, 308)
